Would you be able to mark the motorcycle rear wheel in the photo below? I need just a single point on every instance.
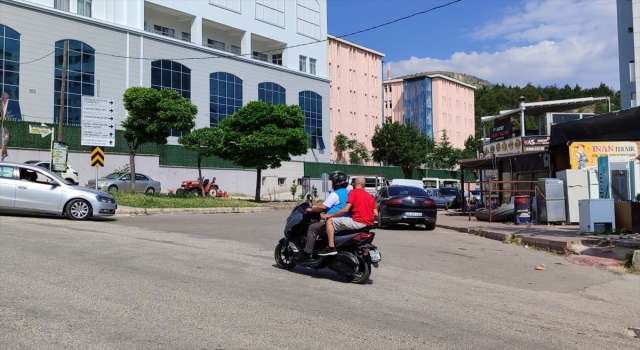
(365, 272)
(284, 257)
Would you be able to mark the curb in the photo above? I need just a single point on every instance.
(151, 211)
(542, 243)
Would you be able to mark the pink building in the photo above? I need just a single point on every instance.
(449, 105)
(356, 89)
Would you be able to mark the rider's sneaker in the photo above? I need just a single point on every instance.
(328, 251)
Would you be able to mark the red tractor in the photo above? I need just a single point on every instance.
(193, 186)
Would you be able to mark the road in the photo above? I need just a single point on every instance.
(209, 282)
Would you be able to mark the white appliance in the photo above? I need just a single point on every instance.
(597, 215)
(576, 187)
(594, 190)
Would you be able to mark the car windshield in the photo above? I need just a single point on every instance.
(55, 176)
(112, 176)
(448, 191)
(406, 191)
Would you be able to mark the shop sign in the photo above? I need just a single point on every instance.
(535, 143)
(502, 132)
(585, 154)
(510, 146)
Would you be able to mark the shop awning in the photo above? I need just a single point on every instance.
(539, 108)
(621, 125)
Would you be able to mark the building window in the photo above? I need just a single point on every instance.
(260, 56)
(167, 74)
(225, 96)
(235, 49)
(338, 72)
(231, 5)
(389, 88)
(80, 80)
(84, 7)
(330, 70)
(270, 11)
(164, 31)
(272, 93)
(276, 59)
(62, 5)
(311, 105)
(186, 36)
(303, 63)
(308, 13)
(312, 66)
(10, 70)
(214, 44)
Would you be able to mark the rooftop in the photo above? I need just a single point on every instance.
(331, 37)
(539, 108)
(429, 75)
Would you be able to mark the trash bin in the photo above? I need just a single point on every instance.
(521, 210)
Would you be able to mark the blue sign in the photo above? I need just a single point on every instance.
(603, 177)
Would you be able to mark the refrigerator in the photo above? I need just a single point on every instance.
(597, 216)
(550, 200)
(576, 187)
(594, 189)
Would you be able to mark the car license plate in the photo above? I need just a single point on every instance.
(375, 255)
(413, 214)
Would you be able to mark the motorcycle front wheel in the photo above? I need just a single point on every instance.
(284, 256)
(364, 272)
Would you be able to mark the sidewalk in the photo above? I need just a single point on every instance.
(557, 238)
(124, 210)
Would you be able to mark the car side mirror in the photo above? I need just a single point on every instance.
(54, 183)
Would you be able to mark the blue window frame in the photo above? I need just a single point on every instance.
(167, 74)
(272, 93)
(225, 96)
(10, 69)
(311, 105)
(80, 80)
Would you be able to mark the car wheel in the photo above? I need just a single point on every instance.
(381, 223)
(150, 190)
(430, 226)
(112, 188)
(78, 209)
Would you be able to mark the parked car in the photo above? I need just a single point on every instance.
(116, 181)
(406, 182)
(31, 188)
(71, 175)
(441, 201)
(406, 204)
(451, 194)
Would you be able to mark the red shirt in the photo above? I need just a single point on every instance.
(362, 206)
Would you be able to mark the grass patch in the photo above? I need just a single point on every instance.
(627, 263)
(516, 240)
(141, 200)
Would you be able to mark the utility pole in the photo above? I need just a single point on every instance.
(62, 89)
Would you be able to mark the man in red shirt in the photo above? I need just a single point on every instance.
(363, 211)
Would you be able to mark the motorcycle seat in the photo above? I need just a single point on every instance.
(350, 232)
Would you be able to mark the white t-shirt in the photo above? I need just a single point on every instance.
(332, 199)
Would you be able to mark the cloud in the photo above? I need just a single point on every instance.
(543, 42)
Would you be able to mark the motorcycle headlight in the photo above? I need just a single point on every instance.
(105, 199)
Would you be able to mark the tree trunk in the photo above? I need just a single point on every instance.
(200, 179)
(258, 182)
(132, 165)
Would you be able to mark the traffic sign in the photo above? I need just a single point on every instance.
(97, 157)
(97, 123)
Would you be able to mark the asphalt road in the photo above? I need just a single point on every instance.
(209, 282)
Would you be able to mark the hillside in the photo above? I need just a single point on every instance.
(465, 78)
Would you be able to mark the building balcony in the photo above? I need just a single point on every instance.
(168, 22)
(268, 50)
(221, 37)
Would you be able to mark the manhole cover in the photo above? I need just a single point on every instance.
(637, 331)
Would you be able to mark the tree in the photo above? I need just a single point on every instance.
(399, 144)
(341, 145)
(471, 148)
(205, 142)
(151, 116)
(444, 156)
(359, 153)
(261, 135)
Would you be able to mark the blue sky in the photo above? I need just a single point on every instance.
(504, 41)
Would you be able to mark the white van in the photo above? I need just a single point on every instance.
(373, 183)
(407, 182)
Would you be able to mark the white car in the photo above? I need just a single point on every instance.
(70, 175)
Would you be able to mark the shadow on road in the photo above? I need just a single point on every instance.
(323, 273)
(51, 216)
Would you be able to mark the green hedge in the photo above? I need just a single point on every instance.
(315, 170)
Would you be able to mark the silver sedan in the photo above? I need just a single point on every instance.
(30, 188)
(118, 181)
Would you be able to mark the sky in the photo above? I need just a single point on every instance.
(515, 42)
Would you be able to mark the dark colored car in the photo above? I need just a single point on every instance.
(406, 204)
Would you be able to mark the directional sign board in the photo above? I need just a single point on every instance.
(98, 127)
(97, 157)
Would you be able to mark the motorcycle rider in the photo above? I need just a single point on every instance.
(334, 202)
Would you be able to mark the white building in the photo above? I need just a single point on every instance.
(221, 54)
(629, 51)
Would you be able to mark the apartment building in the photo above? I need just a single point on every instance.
(432, 102)
(628, 50)
(356, 91)
(221, 54)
